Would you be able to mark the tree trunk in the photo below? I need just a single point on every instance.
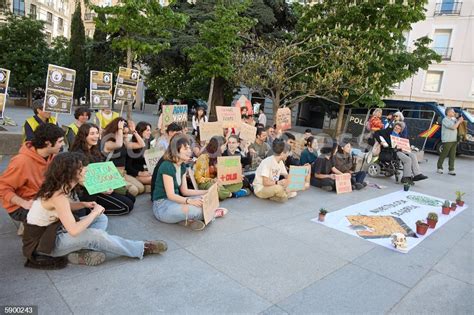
(276, 104)
(217, 96)
(340, 115)
(29, 93)
(128, 105)
(209, 98)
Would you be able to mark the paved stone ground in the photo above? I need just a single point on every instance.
(263, 258)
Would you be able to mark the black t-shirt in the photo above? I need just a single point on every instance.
(322, 166)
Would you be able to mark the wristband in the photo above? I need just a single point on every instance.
(186, 201)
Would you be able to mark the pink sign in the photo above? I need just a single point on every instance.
(343, 183)
(400, 143)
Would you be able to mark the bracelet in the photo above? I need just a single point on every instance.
(120, 128)
(186, 201)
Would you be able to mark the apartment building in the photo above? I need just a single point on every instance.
(55, 13)
(450, 24)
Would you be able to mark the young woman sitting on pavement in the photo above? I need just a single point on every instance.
(114, 144)
(342, 160)
(271, 176)
(135, 161)
(322, 169)
(205, 173)
(87, 142)
(53, 204)
(170, 192)
(310, 153)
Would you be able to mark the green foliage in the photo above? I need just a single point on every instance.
(432, 216)
(140, 25)
(78, 52)
(419, 222)
(459, 195)
(59, 53)
(24, 51)
(446, 204)
(323, 211)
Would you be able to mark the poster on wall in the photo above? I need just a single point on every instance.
(59, 94)
(100, 89)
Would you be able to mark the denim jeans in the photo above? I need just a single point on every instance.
(358, 177)
(96, 238)
(168, 211)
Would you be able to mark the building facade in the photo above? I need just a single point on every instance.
(450, 25)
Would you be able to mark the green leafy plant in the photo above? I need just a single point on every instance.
(459, 195)
(420, 222)
(323, 211)
(447, 204)
(432, 216)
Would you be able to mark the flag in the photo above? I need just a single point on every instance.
(430, 132)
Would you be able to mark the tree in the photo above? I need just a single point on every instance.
(78, 52)
(217, 40)
(25, 52)
(59, 52)
(375, 30)
(139, 27)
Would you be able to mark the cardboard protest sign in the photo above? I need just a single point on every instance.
(126, 86)
(210, 202)
(101, 177)
(229, 169)
(343, 183)
(4, 79)
(247, 132)
(152, 156)
(297, 177)
(208, 130)
(175, 113)
(400, 143)
(283, 118)
(100, 89)
(59, 94)
(229, 116)
(244, 102)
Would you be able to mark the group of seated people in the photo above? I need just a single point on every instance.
(393, 125)
(43, 187)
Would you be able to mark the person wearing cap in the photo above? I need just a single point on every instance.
(82, 115)
(40, 118)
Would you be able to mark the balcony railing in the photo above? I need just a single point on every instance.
(444, 52)
(89, 16)
(448, 8)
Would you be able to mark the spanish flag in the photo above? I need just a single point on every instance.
(430, 132)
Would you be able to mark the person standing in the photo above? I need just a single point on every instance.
(449, 134)
(262, 118)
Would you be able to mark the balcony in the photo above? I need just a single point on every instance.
(444, 52)
(89, 16)
(448, 8)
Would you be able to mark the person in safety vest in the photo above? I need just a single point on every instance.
(105, 116)
(82, 115)
(41, 117)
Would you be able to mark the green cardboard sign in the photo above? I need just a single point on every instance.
(101, 177)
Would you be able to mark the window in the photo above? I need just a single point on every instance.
(433, 81)
(49, 17)
(19, 7)
(441, 43)
(60, 24)
(33, 11)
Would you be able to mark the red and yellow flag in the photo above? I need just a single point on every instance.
(430, 132)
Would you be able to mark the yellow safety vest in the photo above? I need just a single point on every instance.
(74, 128)
(34, 124)
(103, 122)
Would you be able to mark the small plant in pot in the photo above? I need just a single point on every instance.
(432, 219)
(322, 214)
(459, 200)
(421, 227)
(446, 207)
(453, 206)
(406, 186)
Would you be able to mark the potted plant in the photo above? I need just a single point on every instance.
(322, 214)
(453, 206)
(432, 219)
(421, 227)
(459, 200)
(406, 186)
(446, 207)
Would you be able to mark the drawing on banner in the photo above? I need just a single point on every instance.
(283, 118)
(59, 90)
(400, 143)
(377, 220)
(297, 178)
(4, 79)
(210, 202)
(229, 116)
(244, 102)
(248, 132)
(210, 129)
(100, 89)
(343, 183)
(152, 156)
(229, 169)
(102, 177)
(175, 113)
(126, 85)
(367, 226)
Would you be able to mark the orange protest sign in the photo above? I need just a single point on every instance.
(400, 143)
(229, 116)
(343, 183)
(283, 118)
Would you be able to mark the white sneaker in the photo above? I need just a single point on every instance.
(440, 171)
(292, 194)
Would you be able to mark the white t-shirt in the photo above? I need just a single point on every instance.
(262, 119)
(269, 168)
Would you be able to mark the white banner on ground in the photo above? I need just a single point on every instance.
(377, 219)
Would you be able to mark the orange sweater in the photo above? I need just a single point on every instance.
(23, 176)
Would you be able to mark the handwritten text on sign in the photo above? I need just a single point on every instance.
(400, 143)
(343, 183)
(297, 178)
(229, 116)
(101, 177)
(229, 169)
(283, 118)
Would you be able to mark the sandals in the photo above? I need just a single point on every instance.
(220, 212)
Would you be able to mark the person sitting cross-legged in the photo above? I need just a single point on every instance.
(267, 183)
(322, 170)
